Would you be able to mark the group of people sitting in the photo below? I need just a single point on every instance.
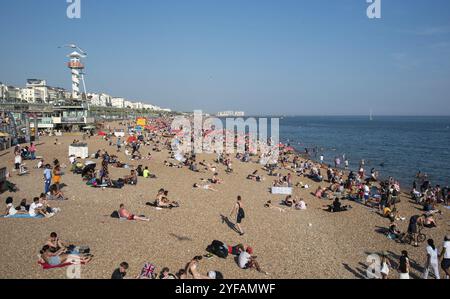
(149, 272)
(56, 252)
(162, 201)
(40, 207)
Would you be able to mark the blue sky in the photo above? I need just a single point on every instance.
(293, 57)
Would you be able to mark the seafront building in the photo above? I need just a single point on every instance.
(39, 106)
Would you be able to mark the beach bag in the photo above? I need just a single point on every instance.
(218, 248)
(119, 183)
(115, 214)
(241, 213)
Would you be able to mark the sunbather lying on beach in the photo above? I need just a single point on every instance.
(205, 187)
(215, 179)
(170, 164)
(255, 177)
(123, 213)
(269, 205)
(59, 258)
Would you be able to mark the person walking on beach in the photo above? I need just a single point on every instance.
(240, 214)
(445, 253)
(385, 265)
(119, 144)
(432, 260)
(321, 159)
(47, 178)
(17, 161)
(32, 150)
(403, 267)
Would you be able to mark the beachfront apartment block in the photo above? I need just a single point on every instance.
(137, 106)
(14, 94)
(118, 102)
(100, 99)
(3, 91)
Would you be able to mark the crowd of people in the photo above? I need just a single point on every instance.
(340, 190)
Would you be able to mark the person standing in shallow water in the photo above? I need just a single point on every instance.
(238, 208)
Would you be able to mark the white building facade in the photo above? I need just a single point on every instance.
(118, 102)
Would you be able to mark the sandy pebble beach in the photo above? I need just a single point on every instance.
(294, 244)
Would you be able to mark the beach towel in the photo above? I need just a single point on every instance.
(282, 190)
(46, 266)
(23, 216)
(153, 204)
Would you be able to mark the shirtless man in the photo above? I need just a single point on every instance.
(123, 213)
(132, 178)
(191, 268)
(55, 243)
(163, 201)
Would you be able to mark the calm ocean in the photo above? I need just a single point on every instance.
(395, 146)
